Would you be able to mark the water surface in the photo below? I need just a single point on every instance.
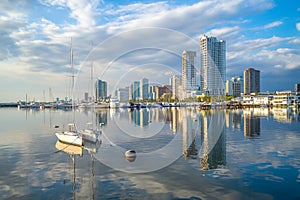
(182, 153)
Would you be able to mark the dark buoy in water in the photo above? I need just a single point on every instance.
(130, 155)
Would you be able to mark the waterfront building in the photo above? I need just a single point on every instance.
(234, 86)
(136, 90)
(297, 87)
(213, 65)
(151, 91)
(176, 87)
(188, 70)
(285, 99)
(251, 81)
(161, 91)
(144, 84)
(86, 96)
(123, 94)
(101, 90)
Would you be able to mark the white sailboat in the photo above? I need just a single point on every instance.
(91, 134)
(71, 136)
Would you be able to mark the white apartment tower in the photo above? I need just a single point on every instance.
(188, 70)
(213, 65)
(176, 87)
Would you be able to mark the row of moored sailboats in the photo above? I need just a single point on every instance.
(72, 135)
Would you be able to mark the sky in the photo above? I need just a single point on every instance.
(120, 42)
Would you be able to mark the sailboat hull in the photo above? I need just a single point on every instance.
(89, 135)
(69, 137)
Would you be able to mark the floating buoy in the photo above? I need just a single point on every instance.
(130, 155)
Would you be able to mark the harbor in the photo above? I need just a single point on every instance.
(207, 148)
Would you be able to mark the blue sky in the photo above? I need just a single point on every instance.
(130, 40)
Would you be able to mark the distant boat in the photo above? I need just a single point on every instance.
(71, 136)
(114, 103)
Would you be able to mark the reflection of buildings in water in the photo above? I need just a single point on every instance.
(101, 116)
(251, 125)
(140, 117)
(167, 114)
(213, 152)
(176, 115)
(189, 129)
(233, 119)
(285, 114)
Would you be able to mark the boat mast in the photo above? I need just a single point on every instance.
(72, 88)
(92, 86)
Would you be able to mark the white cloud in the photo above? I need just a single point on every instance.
(273, 24)
(259, 43)
(224, 32)
(42, 44)
(84, 11)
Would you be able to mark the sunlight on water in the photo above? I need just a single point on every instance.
(180, 153)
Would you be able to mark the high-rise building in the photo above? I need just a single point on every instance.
(176, 87)
(188, 70)
(162, 91)
(144, 84)
(101, 90)
(151, 90)
(123, 94)
(251, 81)
(136, 90)
(297, 87)
(234, 86)
(213, 65)
(86, 96)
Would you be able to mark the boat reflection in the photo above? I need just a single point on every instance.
(68, 148)
(73, 151)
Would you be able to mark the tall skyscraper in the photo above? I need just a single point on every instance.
(176, 87)
(213, 65)
(251, 81)
(136, 90)
(188, 70)
(144, 84)
(101, 90)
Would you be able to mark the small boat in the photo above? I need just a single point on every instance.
(90, 134)
(71, 136)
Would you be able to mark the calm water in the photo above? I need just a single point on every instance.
(182, 153)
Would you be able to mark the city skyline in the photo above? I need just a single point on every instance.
(130, 40)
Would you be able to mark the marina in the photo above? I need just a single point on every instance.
(215, 154)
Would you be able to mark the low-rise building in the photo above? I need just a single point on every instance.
(285, 99)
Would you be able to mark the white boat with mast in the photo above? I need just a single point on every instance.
(90, 133)
(71, 136)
